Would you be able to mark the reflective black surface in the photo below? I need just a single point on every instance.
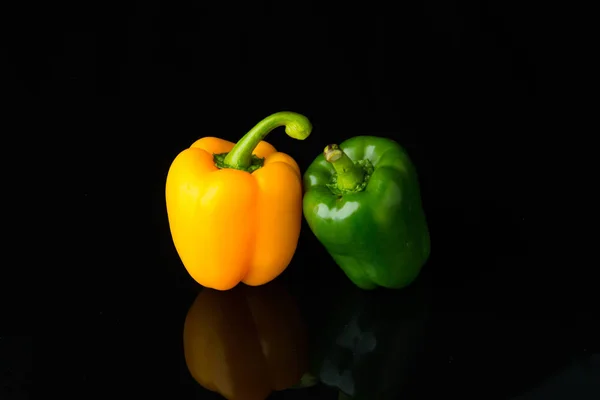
(502, 310)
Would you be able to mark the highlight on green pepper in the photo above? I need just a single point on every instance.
(363, 203)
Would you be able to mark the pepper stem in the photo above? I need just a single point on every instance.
(349, 175)
(296, 125)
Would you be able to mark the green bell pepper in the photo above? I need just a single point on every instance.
(362, 201)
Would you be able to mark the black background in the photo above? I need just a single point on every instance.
(463, 86)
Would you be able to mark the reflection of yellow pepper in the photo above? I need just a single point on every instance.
(246, 342)
(235, 210)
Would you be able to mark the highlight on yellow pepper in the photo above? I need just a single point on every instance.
(247, 342)
(235, 210)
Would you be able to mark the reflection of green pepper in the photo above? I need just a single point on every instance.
(367, 342)
(362, 201)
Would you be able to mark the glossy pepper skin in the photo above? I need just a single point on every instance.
(247, 342)
(235, 210)
(362, 201)
(371, 344)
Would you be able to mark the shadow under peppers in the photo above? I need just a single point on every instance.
(247, 342)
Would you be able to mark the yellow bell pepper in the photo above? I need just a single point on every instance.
(235, 210)
(247, 342)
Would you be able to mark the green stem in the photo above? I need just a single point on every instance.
(349, 175)
(296, 125)
(307, 380)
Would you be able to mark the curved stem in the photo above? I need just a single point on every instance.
(349, 175)
(307, 380)
(296, 125)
